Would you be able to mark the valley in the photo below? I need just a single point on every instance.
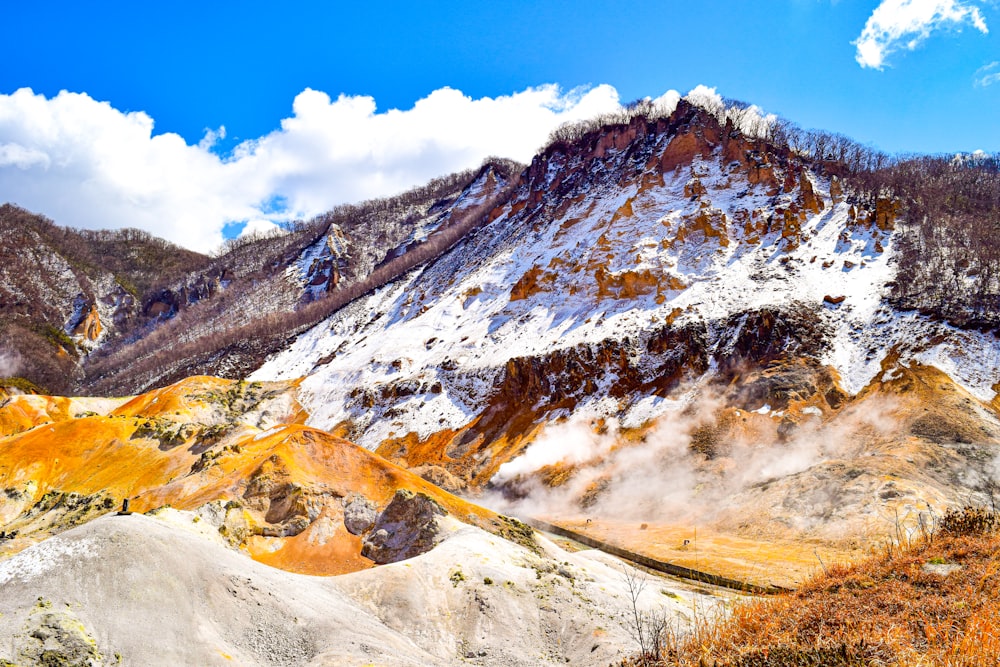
(676, 331)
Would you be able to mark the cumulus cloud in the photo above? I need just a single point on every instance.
(905, 24)
(16, 155)
(987, 75)
(87, 164)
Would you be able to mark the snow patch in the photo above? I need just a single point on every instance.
(971, 360)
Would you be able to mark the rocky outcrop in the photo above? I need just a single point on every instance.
(56, 637)
(781, 384)
(359, 514)
(85, 323)
(293, 497)
(530, 283)
(762, 336)
(407, 527)
(287, 506)
(440, 477)
(880, 214)
(166, 303)
(322, 266)
(625, 285)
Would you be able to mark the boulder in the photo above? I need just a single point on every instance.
(359, 514)
(56, 637)
(406, 528)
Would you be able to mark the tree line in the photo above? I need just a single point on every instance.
(261, 316)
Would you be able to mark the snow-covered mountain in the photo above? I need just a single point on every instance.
(684, 277)
(631, 274)
(657, 235)
(678, 336)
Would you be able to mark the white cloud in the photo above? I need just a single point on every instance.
(904, 24)
(259, 226)
(86, 164)
(16, 155)
(987, 75)
(212, 137)
(96, 167)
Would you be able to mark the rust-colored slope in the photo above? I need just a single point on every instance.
(283, 488)
(86, 456)
(182, 396)
(25, 411)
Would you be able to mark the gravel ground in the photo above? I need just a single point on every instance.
(147, 591)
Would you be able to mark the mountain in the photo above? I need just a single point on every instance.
(672, 300)
(64, 291)
(688, 336)
(108, 312)
(270, 289)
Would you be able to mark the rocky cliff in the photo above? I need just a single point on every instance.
(65, 292)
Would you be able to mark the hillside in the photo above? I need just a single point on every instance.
(687, 334)
(237, 452)
(930, 600)
(84, 310)
(223, 471)
(62, 291)
(81, 595)
(259, 294)
(670, 300)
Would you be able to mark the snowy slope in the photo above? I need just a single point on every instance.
(607, 247)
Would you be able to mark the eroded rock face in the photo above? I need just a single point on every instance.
(89, 327)
(168, 302)
(406, 528)
(440, 477)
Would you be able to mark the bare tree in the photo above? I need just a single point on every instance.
(648, 628)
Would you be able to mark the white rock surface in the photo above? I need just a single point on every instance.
(158, 594)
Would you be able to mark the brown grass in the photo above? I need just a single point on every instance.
(886, 610)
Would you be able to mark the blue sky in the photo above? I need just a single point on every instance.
(242, 65)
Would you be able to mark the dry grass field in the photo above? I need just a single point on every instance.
(934, 601)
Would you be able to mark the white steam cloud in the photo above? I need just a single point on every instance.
(663, 478)
(86, 164)
(572, 442)
(994, 470)
(905, 24)
(10, 363)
